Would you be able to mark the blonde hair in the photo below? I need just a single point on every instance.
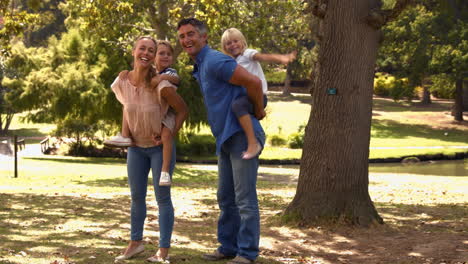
(233, 33)
(152, 71)
(165, 43)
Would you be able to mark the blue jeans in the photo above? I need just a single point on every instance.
(139, 163)
(242, 106)
(239, 220)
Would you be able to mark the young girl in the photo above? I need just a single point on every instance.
(234, 44)
(144, 110)
(163, 60)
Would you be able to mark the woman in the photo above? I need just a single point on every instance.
(143, 111)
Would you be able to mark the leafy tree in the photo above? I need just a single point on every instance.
(63, 84)
(406, 50)
(275, 26)
(429, 41)
(20, 20)
(333, 178)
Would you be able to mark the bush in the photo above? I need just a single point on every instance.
(85, 149)
(277, 140)
(387, 85)
(296, 140)
(383, 84)
(196, 145)
(442, 87)
(401, 90)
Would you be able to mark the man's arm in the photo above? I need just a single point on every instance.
(253, 85)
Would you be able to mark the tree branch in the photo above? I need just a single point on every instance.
(378, 18)
(144, 29)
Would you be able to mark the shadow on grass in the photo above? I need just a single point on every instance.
(81, 160)
(75, 228)
(182, 178)
(26, 132)
(302, 98)
(60, 226)
(393, 129)
(412, 234)
(388, 105)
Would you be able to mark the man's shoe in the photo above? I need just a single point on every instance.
(240, 260)
(215, 256)
(118, 141)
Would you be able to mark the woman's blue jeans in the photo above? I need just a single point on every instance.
(239, 220)
(139, 163)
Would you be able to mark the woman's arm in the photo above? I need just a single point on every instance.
(176, 102)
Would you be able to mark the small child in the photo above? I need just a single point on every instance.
(163, 59)
(234, 44)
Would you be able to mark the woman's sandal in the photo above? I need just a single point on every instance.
(158, 259)
(137, 250)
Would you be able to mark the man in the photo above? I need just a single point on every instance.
(221, 81)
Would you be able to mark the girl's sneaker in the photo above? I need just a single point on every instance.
(165, 179)
(118, 141)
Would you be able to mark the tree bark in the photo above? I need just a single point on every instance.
(333, 179)
(458, 107)
(465, 95)
(426, 96)
(287, 82)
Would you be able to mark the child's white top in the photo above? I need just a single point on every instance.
(253, 66)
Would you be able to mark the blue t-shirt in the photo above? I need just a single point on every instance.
(213, 70)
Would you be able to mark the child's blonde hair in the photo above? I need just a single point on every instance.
(165, 43)
(233, 33)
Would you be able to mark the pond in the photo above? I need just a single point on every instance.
(436, 168)
(458, 168)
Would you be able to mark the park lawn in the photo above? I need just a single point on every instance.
(75, 210)
(394, 125)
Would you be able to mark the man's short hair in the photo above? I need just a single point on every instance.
(198, 24)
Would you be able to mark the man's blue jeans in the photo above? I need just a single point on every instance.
(139, 163)
(239, 220)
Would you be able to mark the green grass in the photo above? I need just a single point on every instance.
(76, 210)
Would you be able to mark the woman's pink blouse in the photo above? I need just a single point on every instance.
(143, 108)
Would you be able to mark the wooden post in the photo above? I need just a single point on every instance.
(16, 156)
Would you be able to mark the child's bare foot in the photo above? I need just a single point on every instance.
(252, 151)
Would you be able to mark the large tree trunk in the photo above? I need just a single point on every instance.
(465, 95)
(458, 107)
(426, 96)
(287, 82)
(333, 179)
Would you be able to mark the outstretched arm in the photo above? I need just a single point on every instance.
(253, 85)
(276, 58)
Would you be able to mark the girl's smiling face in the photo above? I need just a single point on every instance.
(234, 47)
(163, 57)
